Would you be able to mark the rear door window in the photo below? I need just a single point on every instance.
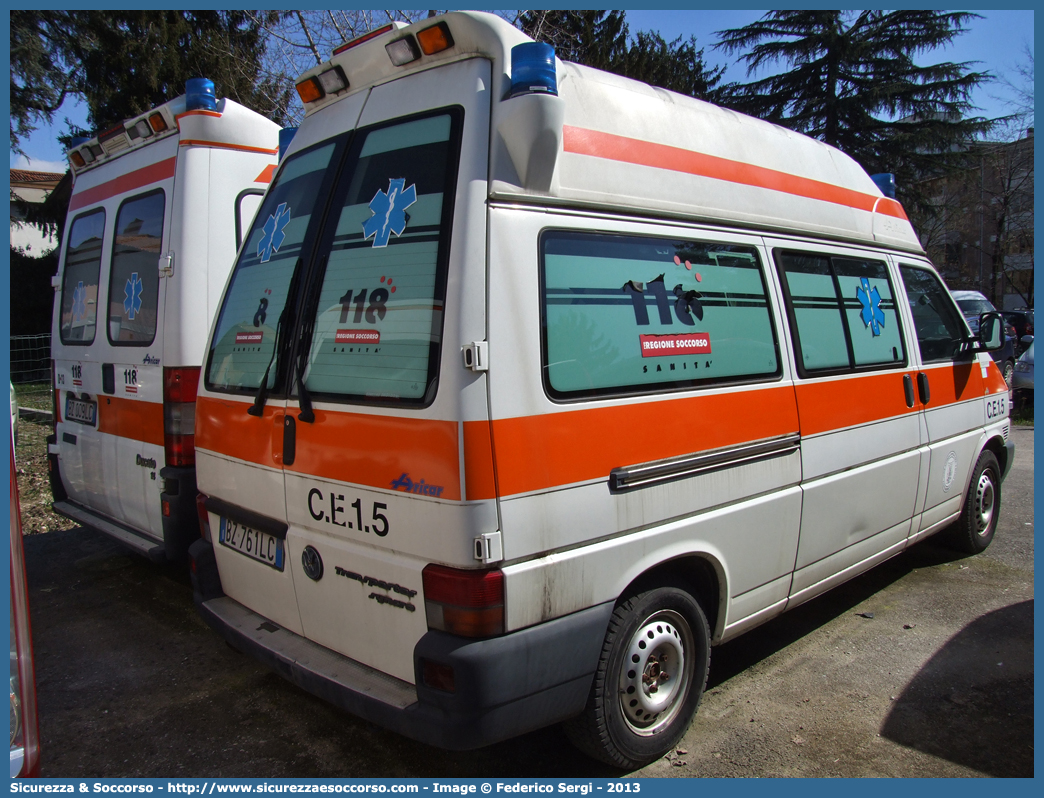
(134, 276)
(628, 314)
(244, 340)
(79, 308)
(378, 321)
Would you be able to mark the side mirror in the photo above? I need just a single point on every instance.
(991, 331)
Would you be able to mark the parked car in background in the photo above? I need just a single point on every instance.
(1022, 322)
(973, 304)
(25, 734)
(1023, 379)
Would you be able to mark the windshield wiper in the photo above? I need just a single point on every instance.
(258, 408)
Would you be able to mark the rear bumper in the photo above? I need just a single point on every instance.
(505, 686)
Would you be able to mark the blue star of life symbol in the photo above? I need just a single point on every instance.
(389, 211)
(132, 296)
(871, 314)
(79, 307)
(273, 232)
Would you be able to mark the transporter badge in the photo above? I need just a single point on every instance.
(312, 563)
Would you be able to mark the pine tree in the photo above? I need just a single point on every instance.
(600, 39)
(853, 83)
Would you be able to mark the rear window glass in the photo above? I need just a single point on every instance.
(627, 314)
(134, 277)
(842, 311)
(79, 309)
(244, 340)
(378, 323)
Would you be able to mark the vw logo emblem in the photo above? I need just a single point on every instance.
(312, 563)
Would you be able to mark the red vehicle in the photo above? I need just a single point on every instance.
(25, 730)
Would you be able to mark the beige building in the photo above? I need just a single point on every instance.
(30, 187)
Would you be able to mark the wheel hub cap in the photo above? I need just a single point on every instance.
(984, 503)
(656, 672)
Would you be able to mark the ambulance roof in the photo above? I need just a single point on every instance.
(229, 125)
(627, 147)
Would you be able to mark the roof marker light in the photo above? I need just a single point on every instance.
(111, 133)
(88, 156)
(157, 122)
(533, 69)
(333, 80)
(96, 150)
(435, 39)
(886, 182)
(310, 90)
(364, 38)
(143, 128)
(77, 159)
(402, 51)
(199, 95)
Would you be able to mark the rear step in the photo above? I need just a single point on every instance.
(138, 541)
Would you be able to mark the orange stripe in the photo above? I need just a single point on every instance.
(128, 182)
(479, 480)
(378, 450)
(836, 404)
(266, 174)
(347, 447)
(224, 426)
(539, 452)
(221, 145)
(127, 418)
(960, 382)
(661, 156)
(199, 112)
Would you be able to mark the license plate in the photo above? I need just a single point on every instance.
(253, 543)
(82, 411)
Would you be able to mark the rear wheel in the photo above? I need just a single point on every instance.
(973, 531)
(649, 681)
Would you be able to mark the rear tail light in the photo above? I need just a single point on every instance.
(462, 602)
(179, 415)
(56, 403)
(204, 516)
(25, 733)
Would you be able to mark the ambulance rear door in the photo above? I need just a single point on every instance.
(108, 350)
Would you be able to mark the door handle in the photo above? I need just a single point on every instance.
(922, 387)
(908, 389)
(289, 440)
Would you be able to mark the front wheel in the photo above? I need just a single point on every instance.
(649, 681)
(974, 529)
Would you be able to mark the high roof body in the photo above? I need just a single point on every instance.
(624, 146)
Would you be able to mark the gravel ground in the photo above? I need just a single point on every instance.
(34, 486)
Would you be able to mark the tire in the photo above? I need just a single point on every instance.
(974, 529)
(635, 715)
(1009, 372)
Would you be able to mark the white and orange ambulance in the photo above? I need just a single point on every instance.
(531, 383)
(158, 207)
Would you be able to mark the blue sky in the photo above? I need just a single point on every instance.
(997, 41)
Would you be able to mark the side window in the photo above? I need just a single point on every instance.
(940, 331)
(842, 312)
(628, 314)
(79, 309)
(134, 277)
